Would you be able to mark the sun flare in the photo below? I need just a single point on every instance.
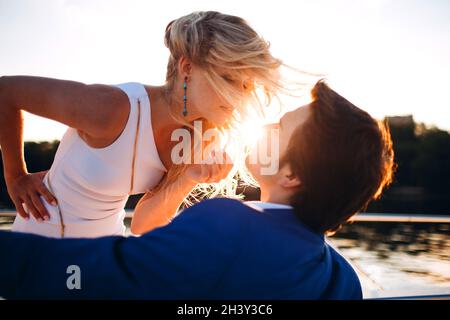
(251, 132)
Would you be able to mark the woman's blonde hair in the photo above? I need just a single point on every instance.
(215, 41)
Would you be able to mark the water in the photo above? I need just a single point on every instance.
(6, 223)
(392, 259)
(398, 259)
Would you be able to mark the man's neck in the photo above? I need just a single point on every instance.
(274, 196)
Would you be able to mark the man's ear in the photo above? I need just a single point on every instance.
(184, 67)
(288, 179)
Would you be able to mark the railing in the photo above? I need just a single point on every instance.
(427, 297)
(363, 217)
(398, 217)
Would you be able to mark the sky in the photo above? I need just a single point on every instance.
(389, 57)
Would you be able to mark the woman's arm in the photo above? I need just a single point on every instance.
(99, 111)
(157, 210)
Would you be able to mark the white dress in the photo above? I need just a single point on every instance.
(92, 185)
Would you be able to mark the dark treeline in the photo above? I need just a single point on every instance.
(422, 155)
(422, 179)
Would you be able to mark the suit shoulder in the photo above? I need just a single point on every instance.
(219, 206)
(219, 210)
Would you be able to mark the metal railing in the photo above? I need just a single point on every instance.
(363, 217)
(398, 217)
(424, 297)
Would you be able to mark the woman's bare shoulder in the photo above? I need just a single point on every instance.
(113, 109)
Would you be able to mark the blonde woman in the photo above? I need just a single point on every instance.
(119, 138)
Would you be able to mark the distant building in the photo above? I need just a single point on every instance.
(400, 121)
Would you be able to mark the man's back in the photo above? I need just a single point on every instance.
(277, 257)
(218, 249)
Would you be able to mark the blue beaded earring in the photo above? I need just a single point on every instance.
(185, 96)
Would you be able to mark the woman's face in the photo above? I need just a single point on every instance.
(204, 102)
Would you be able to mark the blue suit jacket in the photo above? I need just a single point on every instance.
(217, 249)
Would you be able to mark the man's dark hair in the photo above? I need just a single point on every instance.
(343, 158)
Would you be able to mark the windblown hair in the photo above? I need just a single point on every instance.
(216, 41)
(343, 158)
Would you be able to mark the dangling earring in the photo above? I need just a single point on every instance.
(185, 96)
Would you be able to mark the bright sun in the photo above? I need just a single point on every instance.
(252, 131)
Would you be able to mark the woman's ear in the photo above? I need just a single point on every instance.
(184, 67)
(288, 179)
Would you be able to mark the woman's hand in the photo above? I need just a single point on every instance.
(212, 170)
(158, 209)
(26, 190)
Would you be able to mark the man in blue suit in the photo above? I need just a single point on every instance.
(334, 159)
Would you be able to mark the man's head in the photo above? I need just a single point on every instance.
(334, 159)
